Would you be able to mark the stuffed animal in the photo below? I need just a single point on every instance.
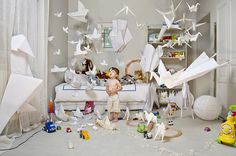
(139, 76)
(127, 79)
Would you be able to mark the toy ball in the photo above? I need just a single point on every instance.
(207, 108)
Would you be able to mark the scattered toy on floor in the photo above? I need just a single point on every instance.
(141, 128)
(49, 127)
(207, 129)
(68, 130)
(228, 129)
(169, 111)
(84, 135)
(161, 131)
(105, 123)
(59, 128)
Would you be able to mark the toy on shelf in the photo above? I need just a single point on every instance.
(49, 127)
(84, 135)
(228, 129)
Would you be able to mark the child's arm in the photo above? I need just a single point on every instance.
(119, 87)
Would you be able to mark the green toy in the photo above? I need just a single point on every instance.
(141, 128)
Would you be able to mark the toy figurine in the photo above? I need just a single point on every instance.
(169, 111)
(58, 127)
(228, 129)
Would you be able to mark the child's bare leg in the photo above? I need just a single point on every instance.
(111, 116)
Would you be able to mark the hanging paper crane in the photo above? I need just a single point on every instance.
(126, 10)
(193, 8)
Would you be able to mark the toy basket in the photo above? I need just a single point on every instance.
(134, 65)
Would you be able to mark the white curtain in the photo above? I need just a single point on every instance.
(30, 18)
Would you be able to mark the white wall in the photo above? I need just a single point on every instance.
(211, 6)
(59, 42)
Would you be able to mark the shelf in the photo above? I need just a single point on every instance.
(165, 88)
(173, 58)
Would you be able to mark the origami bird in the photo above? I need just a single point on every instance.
(172, 11)
(57, 69)
(194, 26)
(80, 14)
(184, 19)
(73, 42)
(126, 10)
(65, 29)
(58, 14)
(78, 49)
(193, 8)
(50, 38)
(104, 63)
(58, 52)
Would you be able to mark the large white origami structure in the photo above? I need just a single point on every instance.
(80, 14)
(120, 35)
(21, 84)
(201, 66)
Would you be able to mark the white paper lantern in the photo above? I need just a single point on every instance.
(207, 108)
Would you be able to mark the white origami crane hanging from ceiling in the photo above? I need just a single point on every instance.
(193, 8)
(126, 10)
(80, 14)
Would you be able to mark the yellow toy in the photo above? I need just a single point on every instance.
(84, 135)
(228, 129)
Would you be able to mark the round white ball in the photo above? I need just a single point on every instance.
(207, 108)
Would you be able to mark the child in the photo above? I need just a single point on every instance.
(112, 88)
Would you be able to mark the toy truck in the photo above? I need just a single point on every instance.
(84, 135)
(49, 127)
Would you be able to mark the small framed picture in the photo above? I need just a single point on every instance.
(106, 28)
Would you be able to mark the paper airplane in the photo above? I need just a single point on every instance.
(80, 14)
(58, 52)
(65, 29)
(58, 14)
(57, 69)
(168, 21)
(163, 73)
(172, 11)
(94, 35)
(194, 26)
(126, 10)
(73, 42)
(50, 38)
(193, 8)
(201, 66)
(78, 49)
(22, 89)
(104, 63)
(20, 43)
(188, 99)
(93, 71)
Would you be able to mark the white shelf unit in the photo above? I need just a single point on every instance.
(169, 58)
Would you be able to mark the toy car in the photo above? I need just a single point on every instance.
(49, 127)
(68, 130)
(84, 134)
(228, 130)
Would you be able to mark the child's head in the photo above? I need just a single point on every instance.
(113, 72)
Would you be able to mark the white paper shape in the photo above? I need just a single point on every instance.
(104, 63)
(19, 64)
(58, 52)
(93, 71)
(58, 14)
(50, 38)
(73, 42)
(194, 26)
(18, 91)
(94, 36)
(20, 43)
(80, 14)
(78, 49)
(160, 132)
(120, 34)
(172, 11)
(163, 73)
(60, 113)
(184, 19)
(57, 69)
(193, 8)
(126, 10)
(65, 29)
